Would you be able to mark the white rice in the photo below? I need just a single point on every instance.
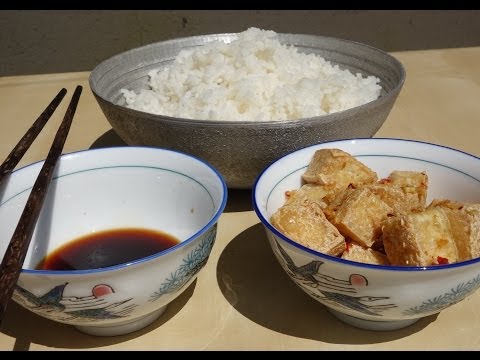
(254, 78)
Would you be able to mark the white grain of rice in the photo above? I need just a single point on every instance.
(253, 78)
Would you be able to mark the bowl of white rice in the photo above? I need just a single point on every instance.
(241, 100)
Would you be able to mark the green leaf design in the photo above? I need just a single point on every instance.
(441, 302)
(191, 265)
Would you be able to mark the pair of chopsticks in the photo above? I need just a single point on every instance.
(17, 249)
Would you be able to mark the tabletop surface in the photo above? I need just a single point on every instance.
(234, 304)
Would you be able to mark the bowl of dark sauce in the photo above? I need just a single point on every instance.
(107, 248)
(122, 233)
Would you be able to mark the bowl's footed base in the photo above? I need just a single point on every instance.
(372, 325)
(124, 328)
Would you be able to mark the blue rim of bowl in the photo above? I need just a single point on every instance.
(277, 233)
(185, 242)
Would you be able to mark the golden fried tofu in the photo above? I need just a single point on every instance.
(360, 216)
(305, 223)
(403, 191)
(336, 168)
(414, 185)
(335, 203)
(446, 204)
(309, 192)
(420, 239)
(391, 195)
(473, 234)
(355, 252)
(465, 226)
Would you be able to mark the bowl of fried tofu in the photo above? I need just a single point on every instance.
(381, 231)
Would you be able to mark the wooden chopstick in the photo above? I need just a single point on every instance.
(19, 150)
(17, 249)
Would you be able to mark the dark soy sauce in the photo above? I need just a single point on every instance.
(107, 248)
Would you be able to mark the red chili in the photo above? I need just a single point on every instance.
(347, 246)
(442, 260)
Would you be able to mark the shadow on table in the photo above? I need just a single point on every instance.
(238, 199)
(108, 139)
(260, 290)
(27, 328)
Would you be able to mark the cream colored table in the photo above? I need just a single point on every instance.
(242, 300)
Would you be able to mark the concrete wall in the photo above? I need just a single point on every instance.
(46, 41)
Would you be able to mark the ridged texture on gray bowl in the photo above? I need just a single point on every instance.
(240, 150)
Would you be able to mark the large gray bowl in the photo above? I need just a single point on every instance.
(240, 150)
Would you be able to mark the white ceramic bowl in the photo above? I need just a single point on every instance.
(372, 296)
(111, 188)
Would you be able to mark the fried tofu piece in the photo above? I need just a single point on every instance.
(465, 226)
(391, 195)
(309, 192)
(446, 204)
(306, 224)
(420, 239)
(465, 229)
(355, 252)
(403, 191)
(360, 216)
(335, 204)
(336, 168)
(414, 185)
